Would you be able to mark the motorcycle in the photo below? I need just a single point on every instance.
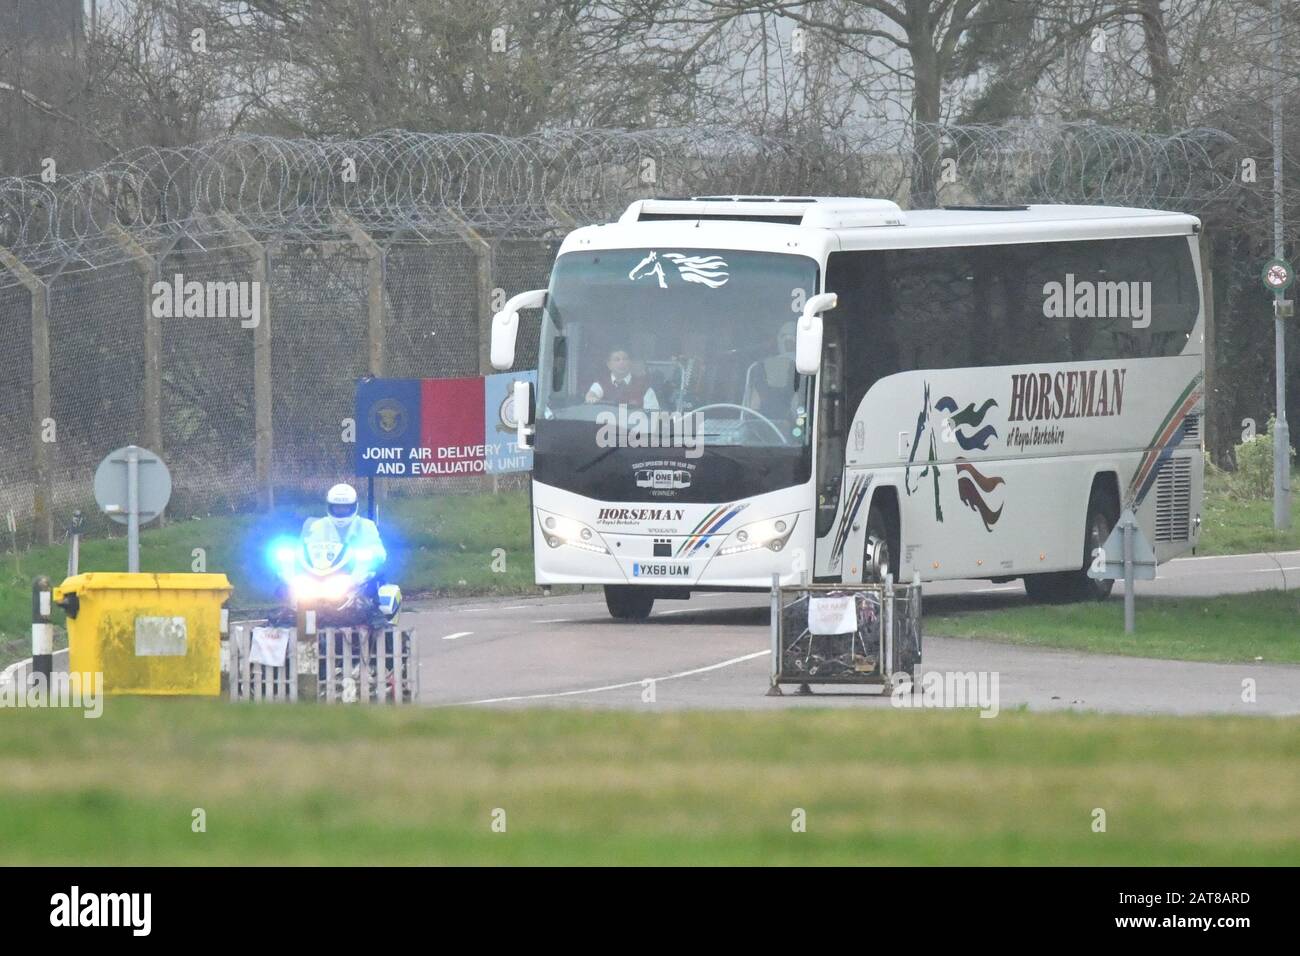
(336, 580)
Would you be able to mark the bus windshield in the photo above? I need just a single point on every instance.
(702, 337)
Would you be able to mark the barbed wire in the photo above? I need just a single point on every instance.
(400, 185)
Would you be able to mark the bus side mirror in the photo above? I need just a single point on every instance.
(505, 326)
(525, 414)
(808, 333)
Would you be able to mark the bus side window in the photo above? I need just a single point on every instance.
(866, 313)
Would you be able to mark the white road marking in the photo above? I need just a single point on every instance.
(452, 637)
(1202, 574)
(547, 602)
(626, 684)
(8, 674)
(543, 603)
(555, 620)
(1234, 557)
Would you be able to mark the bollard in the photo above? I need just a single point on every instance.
(42, 629)
(1128, 577)
(74, 543)
(887, 621)
(775, 689)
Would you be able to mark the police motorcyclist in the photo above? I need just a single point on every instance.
(343, 525)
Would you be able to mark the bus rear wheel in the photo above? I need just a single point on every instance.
(627, 602)
(1064, 586)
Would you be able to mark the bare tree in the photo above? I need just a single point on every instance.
(931, 57)
(149, 72)
(504, 66)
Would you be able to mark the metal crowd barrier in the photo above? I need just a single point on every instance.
(347, 665)
(254, 680)
(357, 664)
(812, 645)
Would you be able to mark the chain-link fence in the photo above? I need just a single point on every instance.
(188, 387)
(387, 256)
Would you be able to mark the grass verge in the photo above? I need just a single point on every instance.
(1232, 524)
(1230, 627)
(327, 785)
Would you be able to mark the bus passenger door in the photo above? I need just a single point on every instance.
(832, 428)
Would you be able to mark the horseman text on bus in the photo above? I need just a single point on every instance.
(1091, 393)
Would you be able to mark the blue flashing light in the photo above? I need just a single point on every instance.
(281, 554)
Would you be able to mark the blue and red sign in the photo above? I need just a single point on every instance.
(438, 427)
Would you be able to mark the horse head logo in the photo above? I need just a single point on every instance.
(650, 265)
(972, 485)
(709, 271)
(930, 468)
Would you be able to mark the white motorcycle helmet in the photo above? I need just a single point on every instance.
(341, 503)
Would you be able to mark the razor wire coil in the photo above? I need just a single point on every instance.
(400, 184)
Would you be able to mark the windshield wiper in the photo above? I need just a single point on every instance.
(599, 458)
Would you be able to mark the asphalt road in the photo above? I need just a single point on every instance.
(712, 652)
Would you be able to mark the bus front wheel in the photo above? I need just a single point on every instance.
(627, 602)
(880, 551)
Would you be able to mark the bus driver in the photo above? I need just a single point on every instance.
(622, 386)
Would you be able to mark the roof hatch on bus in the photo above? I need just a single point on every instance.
(817, 212)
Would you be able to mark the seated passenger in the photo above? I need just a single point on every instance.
(773, 380)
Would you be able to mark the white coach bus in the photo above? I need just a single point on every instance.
(832, 388)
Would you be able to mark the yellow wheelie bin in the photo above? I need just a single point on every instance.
(147, 633)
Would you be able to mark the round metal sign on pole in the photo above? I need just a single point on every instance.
(132, 486)
(1277, 275)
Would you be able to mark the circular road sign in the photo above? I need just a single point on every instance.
(154, 481)
(1277, 275)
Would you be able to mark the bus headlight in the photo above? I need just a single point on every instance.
(558, 530)
(771, 534)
